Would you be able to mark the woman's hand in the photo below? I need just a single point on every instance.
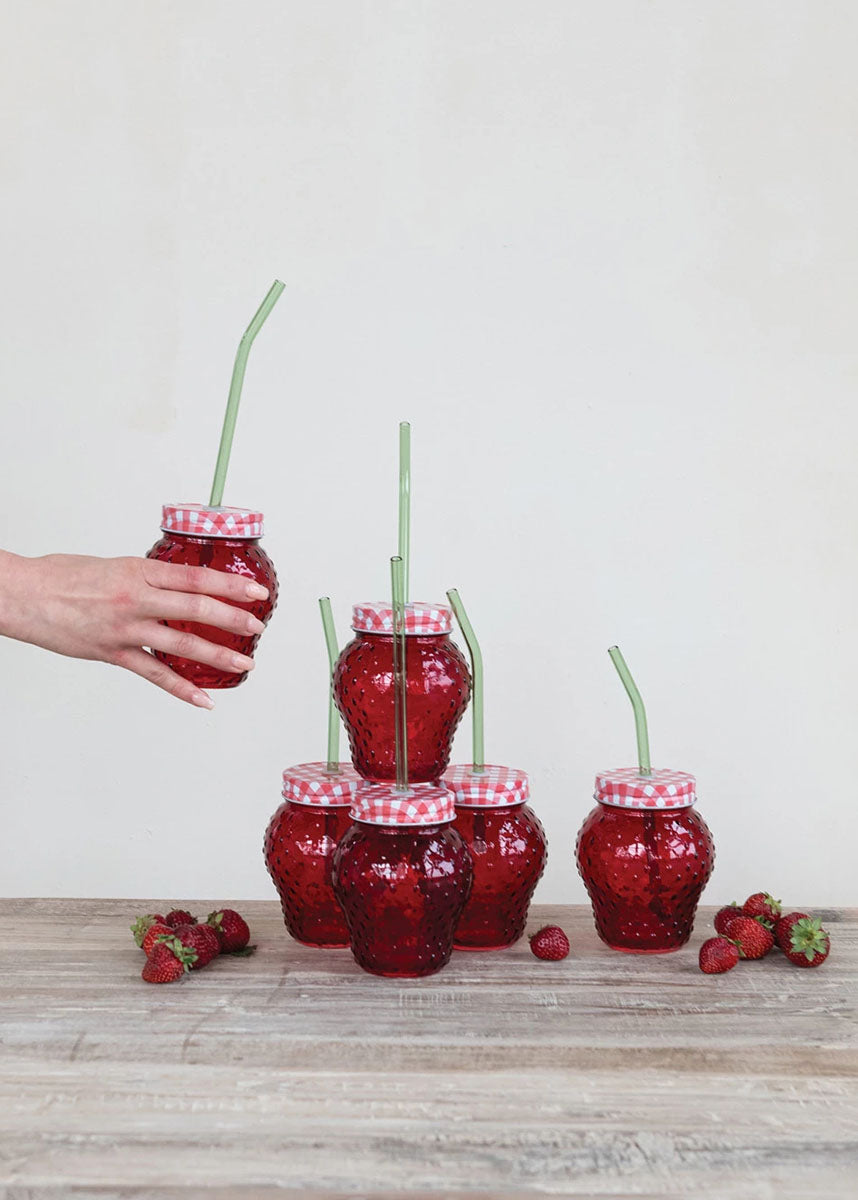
(109, 609)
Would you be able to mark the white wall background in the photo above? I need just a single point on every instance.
(601, 255)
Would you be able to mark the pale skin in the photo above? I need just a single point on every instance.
(109, 609)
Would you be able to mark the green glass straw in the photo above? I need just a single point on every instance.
(333, 715)
(405, 506)
(235, 390)
(629, 684)
(400, 677)
(479, 751)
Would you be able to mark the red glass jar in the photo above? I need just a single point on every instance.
(439, 686)
(299, 849)
(402, 875)
(645, 856)
(225, 539)
(508, 849)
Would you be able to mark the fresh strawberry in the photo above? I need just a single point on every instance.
(725, 915)
(200, 938)
(784, 925)
(231, 928)
(179, 917)
(168, 962)
(143, 923)
(809, 943)
(764, 907)
(751, 936)
(153, 934)
(718, 955)
(550, 943)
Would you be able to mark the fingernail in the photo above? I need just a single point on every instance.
(242, 663)
(202, 700)
(255, 591)
(254, 625)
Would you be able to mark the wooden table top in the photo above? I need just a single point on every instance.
(604, 1075)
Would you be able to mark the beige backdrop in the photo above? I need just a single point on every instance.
(601, 255)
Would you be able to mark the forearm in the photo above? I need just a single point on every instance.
(18, 581)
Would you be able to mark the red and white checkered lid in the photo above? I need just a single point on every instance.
(493, 787)
(377, 617)
(423, 804)
(201, 520)
(625, 787)
(313, 783)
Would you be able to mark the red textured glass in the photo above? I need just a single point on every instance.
(299, 849)
(644, 870)
(238, 556)
(508, 848)
(402, 890)
(439, 686)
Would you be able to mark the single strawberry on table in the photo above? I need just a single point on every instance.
(725, 915)
(809, 943)
(231, 928)
(718, 955)
(550, 943)
(168, 961)
(752, 937)
(202, 939)
(179, 916)
(785, 924)
(764, 907)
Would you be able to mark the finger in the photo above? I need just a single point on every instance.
(148, 667)
(181, 644)
(178, 577)
(202, 610)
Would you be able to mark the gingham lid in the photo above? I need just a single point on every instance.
(493, 787)
(625, 787)
(312, 783)
(202, 520)
(377, 617)
(424, 804)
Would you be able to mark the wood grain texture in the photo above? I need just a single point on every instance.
(604, 1075)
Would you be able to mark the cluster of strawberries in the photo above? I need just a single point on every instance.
(178, 942)
(752, 929)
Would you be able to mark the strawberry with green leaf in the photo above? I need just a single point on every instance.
(809, 943)
(752, 937)
(784, 925)
(143, 924)
(762, 907)
(168, 961)
(232, 930)
(200, 938)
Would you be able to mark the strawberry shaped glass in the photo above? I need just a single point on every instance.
(645, 857)
(508, 849)
(402, 875)
(225, 539)
(438, 683)
(299, 848)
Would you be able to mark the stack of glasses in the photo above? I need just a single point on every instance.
(430, 858)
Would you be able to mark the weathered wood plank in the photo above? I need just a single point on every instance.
(604, 1075)
(558, 1131)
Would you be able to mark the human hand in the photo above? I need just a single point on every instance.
(109, 609)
